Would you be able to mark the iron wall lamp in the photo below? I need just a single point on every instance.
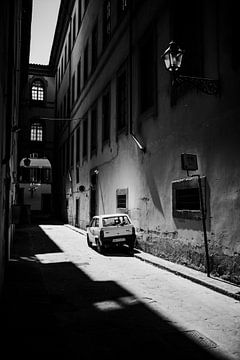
(173, 57)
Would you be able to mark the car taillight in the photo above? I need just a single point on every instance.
(133, 230)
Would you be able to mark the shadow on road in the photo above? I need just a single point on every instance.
(57, 309)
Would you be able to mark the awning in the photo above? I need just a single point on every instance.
(37, 163)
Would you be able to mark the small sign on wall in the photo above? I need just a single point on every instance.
(189, 162)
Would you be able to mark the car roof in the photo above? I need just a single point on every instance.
(110, 215)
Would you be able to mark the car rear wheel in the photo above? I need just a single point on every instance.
(89, 242)
(100, 248)
(131, 246)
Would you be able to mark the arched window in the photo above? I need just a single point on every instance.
(36, 132)
(37, 90)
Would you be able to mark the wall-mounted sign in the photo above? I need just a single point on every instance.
(189, 162)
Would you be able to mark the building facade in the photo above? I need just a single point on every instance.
(36, 142)
(15, 20)
(124, 123)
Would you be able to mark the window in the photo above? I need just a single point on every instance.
(79, 13)
(85, 136)
(106, 21)
(74, 29)
(77, 174)
(64, 158)
(62, 66)
(67, 153)
(186, 199)
(69, 45)
(94, 46)
(37, 90)
(36, 132)
(73, 89)
(106, 116)
(59, 77)
(65, 56)
(147, 74)
(122, 199)
(78, 145)
(65, 106)
(86, 5)
(68, 102)
(122, 99)
(192, 42)
(85, 65)
(79, 78)
(122, 6)
(35, 175)
(95, 223)
(46, 175)
(94, 130)
(72, 149)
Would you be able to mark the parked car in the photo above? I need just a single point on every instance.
(111, 230)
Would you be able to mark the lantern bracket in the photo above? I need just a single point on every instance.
(172, 57)
(205, 85)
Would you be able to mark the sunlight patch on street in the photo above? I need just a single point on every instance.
(51, 258)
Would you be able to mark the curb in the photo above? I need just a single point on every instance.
(233, 294)
(211, 282)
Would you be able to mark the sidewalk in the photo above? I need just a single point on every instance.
(199, 277)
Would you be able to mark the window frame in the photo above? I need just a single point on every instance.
(40, 91)
(106, 121)
(106, 22)
(185, 184)
(122, 8)
(122, 125)
(122, 192)
(36, 132)
(85, 138)
(86, 63)
(94, 128)
(94, 46)
(150, 34)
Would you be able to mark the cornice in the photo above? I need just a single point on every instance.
(64, 16)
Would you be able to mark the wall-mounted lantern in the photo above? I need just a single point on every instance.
(173, 57)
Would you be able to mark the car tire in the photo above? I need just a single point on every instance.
(100, 248)
(131, 247)
(89, 242)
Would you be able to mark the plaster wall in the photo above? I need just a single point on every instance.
(200, 124)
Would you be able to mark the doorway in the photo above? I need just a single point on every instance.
(77, 223)
(46, 203)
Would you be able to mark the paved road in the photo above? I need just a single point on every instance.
(115, 305)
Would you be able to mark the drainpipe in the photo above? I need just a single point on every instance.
(134, 137)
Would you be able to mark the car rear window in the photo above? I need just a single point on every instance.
(115, 221)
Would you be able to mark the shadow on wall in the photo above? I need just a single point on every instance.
(153, 190)
(92, 317)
